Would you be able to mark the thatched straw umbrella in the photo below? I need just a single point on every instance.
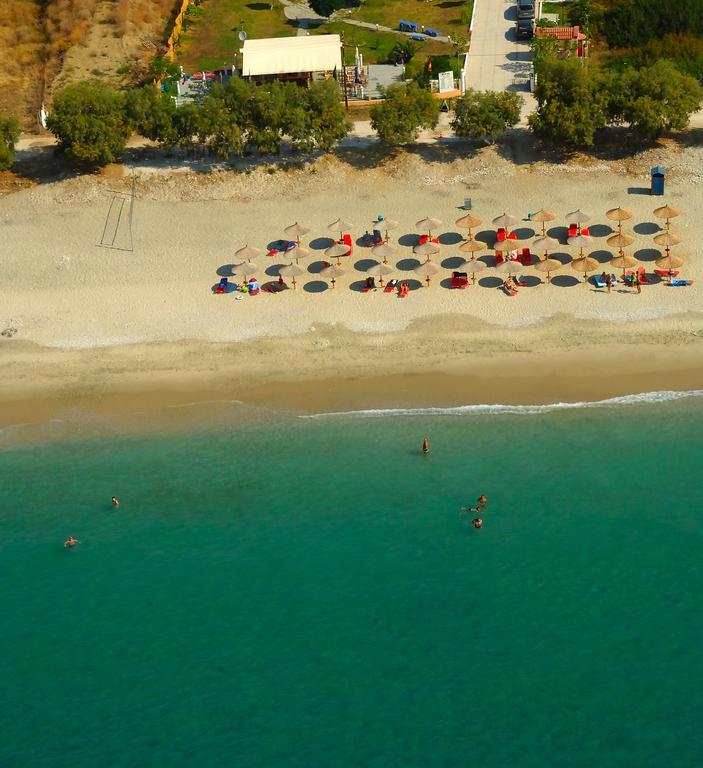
(379, 271)
(332, 272)
(296, 230)
(248, 252)
(427, 270)
(428, 224)
(337, 250)
(383, 251)
(667, 212)
(426, 249)
(292, 271)
(543, 216)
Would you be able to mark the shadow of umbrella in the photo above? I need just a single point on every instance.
(407, 265)
(316, 286)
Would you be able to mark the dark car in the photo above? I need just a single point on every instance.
(525, 29)
(525, 9)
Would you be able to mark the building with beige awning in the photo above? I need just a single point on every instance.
(299, 59)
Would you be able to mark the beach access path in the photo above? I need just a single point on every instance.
(498, 61)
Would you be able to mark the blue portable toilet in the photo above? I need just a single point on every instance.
(658, 174)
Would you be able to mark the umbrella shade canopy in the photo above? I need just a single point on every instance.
(580, 241)
(379, 270)
(472, 265)
(669, 262)
(548, 265)
(667, 212)
(337, 250)
(505, 220)
(426, 249)
(244, 269)
(386, 224)
(624, 261)
(427, 269)
(545, 244)
(472, 246)
(300, 252)
(332, 271)
(510, 266)
(291, 270)
(543, 215)
(383, 251)
(296, 230)
(428, 223)
(578, 217)
(340, 225)
(621, 240)
(248, 252)
(585, 264)
(619, 214)
(468, 221)
(667, 239)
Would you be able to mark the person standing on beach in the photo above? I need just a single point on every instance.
(609, 283)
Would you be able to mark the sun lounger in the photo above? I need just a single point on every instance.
(573, 230)
(500, 234)
(642, 273)
(346, 239)
(460, 280)
(377, 237)
(599, 282)
(584, 231)
(427, 239)
(679, 283)
(499, 258)
(370, 285)
(222, 286)
(391, 286)
(526, 257)
(666, 272)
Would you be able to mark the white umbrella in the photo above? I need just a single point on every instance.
(383, 251)
(505, 220)
(473, 265)
(292, 271)
(386, 224)
(428, 224)
(379, 271)
(337, 250)
(332, 272)
(426, 249)
(427, 270)
(578, 217)
(580, 241)
(545, 244)
(341, 226)
(510, 266)
(244, 269)
(296, 230)
(248, 252)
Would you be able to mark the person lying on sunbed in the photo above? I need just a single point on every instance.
(509, 287)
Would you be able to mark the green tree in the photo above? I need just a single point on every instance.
(326, 7)
(90, 122)
(326, 121)
(572, 99)
(187, 124)
(9, 133)
(218, 128)
(654, 99)
(403, 112)
(151, 113)
(403, 50)
(484, 114)
(163, 69)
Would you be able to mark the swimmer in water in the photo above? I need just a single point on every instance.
(481, 502)
(477, 522)
(70, 542)
(115, 501)
(426, 445)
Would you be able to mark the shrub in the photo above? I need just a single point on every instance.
(405, 110)
(9, 133)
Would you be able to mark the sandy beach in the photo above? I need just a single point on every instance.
(140, 317)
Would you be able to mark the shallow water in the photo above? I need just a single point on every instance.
(306, 594)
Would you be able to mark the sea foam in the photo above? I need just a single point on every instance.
(516, 410)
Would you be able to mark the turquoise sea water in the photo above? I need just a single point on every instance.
(306, 594)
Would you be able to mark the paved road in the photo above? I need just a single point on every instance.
(497, 60)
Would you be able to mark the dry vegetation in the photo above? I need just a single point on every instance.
(45, 44)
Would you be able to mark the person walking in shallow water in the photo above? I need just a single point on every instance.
(426, 446)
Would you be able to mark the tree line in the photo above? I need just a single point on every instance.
(577, 99)
(92, 122)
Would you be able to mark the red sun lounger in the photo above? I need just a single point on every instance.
(391, 285)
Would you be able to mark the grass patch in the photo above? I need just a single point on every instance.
(375, 46)
(448, 16)
(558, 8)
(211, 34)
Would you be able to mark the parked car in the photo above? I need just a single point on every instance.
(525, 29)
(525, 9)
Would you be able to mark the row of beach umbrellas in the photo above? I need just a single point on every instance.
(543, 243)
